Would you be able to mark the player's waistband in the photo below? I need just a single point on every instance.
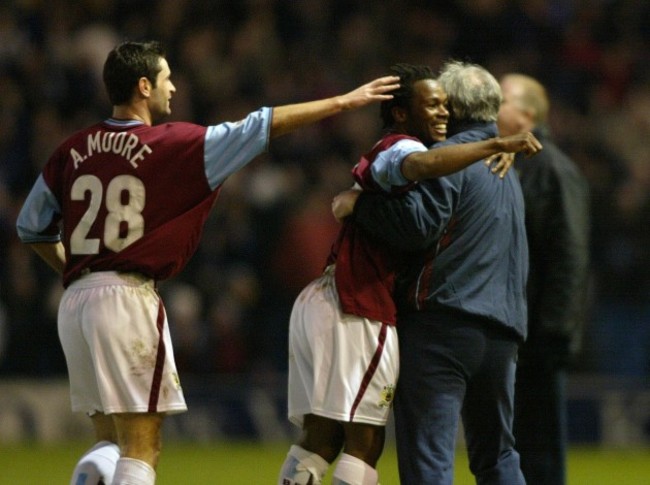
(107, 278)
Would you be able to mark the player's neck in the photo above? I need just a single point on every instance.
(132, 112)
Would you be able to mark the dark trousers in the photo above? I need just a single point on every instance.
(454, 365)
(540, 425)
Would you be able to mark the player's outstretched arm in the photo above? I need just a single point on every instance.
(290, 117)
(448, 159)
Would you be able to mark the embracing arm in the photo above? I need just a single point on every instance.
(290, 117)
(411, 221)
(444, 160)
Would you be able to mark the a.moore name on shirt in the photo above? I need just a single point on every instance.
(126, 145)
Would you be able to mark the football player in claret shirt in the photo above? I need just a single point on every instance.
(343, 353)
(119, 206)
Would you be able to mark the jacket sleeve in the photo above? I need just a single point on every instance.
(410, 222)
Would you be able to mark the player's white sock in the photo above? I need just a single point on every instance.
(353, 471)
(130, 471)
(97, 465)
(302, 467)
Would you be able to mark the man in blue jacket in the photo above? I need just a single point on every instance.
(461, 300)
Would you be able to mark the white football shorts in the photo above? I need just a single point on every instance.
(341, 366)
(115, 336)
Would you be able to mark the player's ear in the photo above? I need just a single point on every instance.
(144, 87)
(400, 115)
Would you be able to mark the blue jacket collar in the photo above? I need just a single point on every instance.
(472, 125)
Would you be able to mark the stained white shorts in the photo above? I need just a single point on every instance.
(115, 336)
(341, 366)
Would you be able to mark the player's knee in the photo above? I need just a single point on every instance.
(364, 442)
(368, 452)
(323, 436)
(141, 437)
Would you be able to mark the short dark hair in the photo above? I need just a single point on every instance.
(126, 64)
(408, 74)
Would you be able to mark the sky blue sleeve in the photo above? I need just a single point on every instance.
(230, 146)
(386, 168)
(38, 212)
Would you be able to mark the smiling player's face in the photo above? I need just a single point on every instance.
(428, 114)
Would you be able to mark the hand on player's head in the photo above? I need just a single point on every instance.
(377, 90)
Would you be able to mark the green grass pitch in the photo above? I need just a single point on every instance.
(250, 463)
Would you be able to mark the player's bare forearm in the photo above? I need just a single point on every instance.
(52, 253)
(290, 117)
(445, 160)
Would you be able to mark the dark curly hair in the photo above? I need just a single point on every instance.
(408, 74)
(126, 64)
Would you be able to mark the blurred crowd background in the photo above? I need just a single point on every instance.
(271, 229)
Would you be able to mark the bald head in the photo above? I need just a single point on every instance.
(525, 104)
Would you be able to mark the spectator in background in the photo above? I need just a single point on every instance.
(184, 307)
(230, 323)
(557, 226)
(620, 328)
(227, 345)
(3, 330)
